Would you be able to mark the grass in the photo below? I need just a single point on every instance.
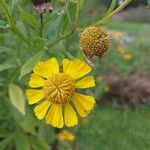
(113, 128)
(138, 47)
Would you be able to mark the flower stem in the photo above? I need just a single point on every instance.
(55, 143)
(11, 22)
(77, 12)
(42, 25)
(58, 39)
(72, 29)
(109, 16)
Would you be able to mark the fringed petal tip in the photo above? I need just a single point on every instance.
(34, 96)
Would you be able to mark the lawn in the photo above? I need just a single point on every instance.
(112, 127)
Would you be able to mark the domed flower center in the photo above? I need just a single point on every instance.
(94, 41)
(59, 88)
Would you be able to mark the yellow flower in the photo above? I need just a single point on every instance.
(58, 91)
(118, 35)
(127, 56)
(120, 49)
(106, 88)
(66, 136)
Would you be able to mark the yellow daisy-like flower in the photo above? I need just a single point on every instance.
(120, 49)
(118, 35)
(106, 88)
(127, 56)
(58, 91)
(66, 136)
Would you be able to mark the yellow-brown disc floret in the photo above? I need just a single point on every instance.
(94, 41)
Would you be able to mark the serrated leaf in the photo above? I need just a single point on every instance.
(28, 66)
(38, 144)
(17, 97)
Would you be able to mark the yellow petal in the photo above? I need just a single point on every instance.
(34, 96)
(54, 116)
(36, 81)
(86, 82)
(83, 103)
(53, 65)
(41, 109)
(127, 56)
(45, 69)
(76, 68)
(70, 116)
(66, 136)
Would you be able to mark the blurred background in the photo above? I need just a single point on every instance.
(121, 118)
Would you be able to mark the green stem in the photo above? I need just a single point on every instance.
(19, 34)
(109, 16)
(70, 32)
(77, 12)
(7, 13)
(42, 25)
(12, 24)
(58, 39)
(124, 4)
(68, 15)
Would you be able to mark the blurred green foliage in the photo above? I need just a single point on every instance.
(22, 47)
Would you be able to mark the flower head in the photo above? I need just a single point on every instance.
(118, 35)
(66, 136)
(120, 49)
(94, 41)
(127, 56)
(106, 88)
(55, 91)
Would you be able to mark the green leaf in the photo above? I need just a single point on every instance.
(3, 24)
(28, 66)
(4, 49)
(14, 4)
(38, 144)
(17, 97)
(28, 123)
(112, 7)
(81, 2)
(21, 141)
(6, 66)
(28, 18)
(58, 55)
(4, 132)
(69, 55)
(38, 44)
(4, 143)
(80, 55)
